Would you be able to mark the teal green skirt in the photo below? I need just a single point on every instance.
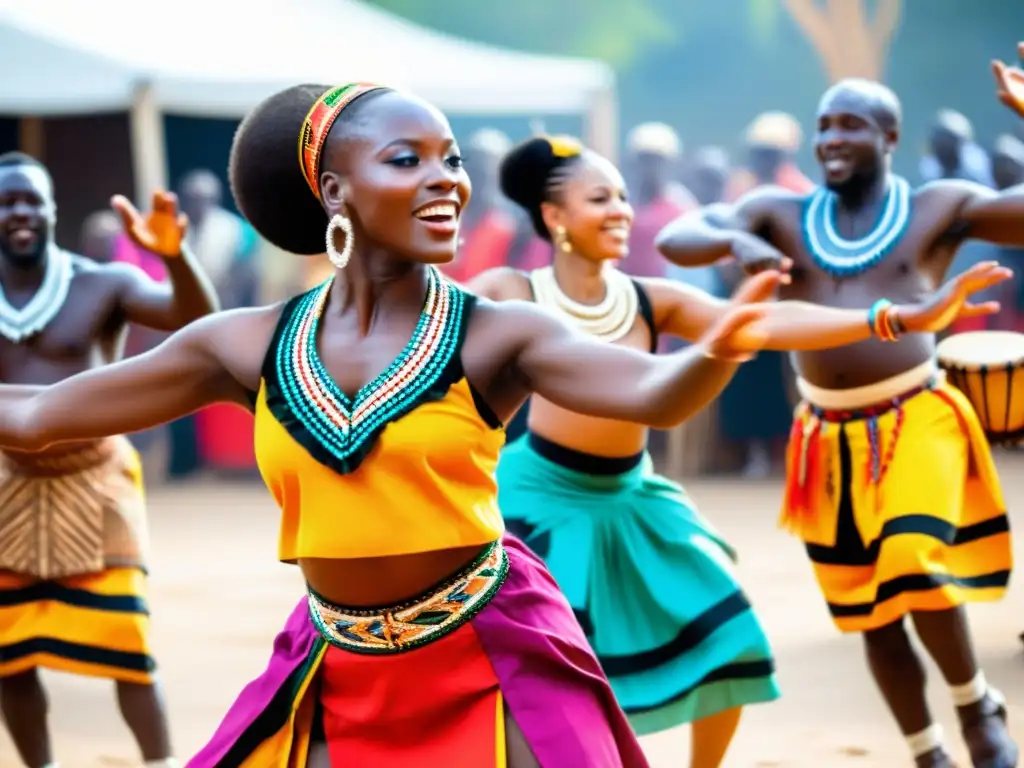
(651, 582)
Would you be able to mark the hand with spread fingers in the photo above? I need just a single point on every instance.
(161, 231)
(735, 337)
(951, 302)
(1010, 83)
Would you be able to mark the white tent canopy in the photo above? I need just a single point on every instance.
(218, 58)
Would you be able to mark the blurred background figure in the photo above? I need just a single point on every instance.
(706, 176)
(952, 151)
(223, 241)
(98, 239)
(754, 410)
(771, 143)
(653, 152)
(218, 438)
(953, 154)
(695, 444)
(487, 227)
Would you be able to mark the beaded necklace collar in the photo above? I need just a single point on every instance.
(609, 320)
(840, 257)
(340, 431)
(19, 324)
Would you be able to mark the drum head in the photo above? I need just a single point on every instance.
(977, 349)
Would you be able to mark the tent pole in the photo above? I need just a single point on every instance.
(32, 137)
(149, 161)
(602, 123)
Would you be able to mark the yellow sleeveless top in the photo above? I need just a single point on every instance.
(405, 466)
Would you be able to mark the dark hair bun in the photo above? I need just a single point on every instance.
(526, 171)
(266, 178)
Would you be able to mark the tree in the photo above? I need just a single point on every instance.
(848, 42)
(611, 30)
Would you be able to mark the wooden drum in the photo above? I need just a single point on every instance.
(987, 367)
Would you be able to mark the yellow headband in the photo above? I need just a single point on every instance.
(318, 124)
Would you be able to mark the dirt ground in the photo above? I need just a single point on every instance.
(219, 596)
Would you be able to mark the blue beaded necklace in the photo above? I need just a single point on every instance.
(840, 257)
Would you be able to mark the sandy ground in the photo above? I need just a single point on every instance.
(219, 597)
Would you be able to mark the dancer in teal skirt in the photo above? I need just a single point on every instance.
(651, 581)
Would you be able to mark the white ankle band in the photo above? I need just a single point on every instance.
(167, 762)
(923, 742)
(971, 692)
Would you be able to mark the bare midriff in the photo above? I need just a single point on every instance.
(367, 582)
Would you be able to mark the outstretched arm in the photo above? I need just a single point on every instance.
(195, 367)
(704, 236)
(690, 313)
(996, 217)
(579, 373)
(189, 295)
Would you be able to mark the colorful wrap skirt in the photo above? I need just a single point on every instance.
(893, 490)
(651, 582)
(73, 540)
(430, 682)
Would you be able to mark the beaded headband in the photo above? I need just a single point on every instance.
(318, 124)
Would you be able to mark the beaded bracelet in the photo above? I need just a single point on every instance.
(883, 320)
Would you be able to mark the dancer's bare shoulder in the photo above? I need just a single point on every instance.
(951, 200)
(501, 327)
(501, 284)
(500, 330)
(110, 274)
(103, 277)
(235, 340)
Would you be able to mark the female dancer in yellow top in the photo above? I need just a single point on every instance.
(426, 638)
(651, 582)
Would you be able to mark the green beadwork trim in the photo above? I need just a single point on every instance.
(496, 574)
(344, 449)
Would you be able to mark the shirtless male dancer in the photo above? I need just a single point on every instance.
(891, 484)
(72, 520)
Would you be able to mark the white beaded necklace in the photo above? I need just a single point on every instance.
(19, 324)
(609, 320)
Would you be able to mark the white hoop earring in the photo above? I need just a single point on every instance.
(340, 260)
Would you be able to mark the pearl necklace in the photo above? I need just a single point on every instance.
(19, 324)
(609, 320)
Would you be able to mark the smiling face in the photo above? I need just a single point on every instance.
(855, 136)
(395, 169)
(27, 213)
(593, 207)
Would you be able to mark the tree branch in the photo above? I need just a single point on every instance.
(887, 19)
(815, 26)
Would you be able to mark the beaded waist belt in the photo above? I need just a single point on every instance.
(808, 433)
(420, 621)
(837, 415)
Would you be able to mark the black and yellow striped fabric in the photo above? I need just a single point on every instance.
(928, 535)
(95, 624)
